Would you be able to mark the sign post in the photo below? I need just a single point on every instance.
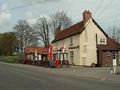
(63, 51)
(114, 61)
(114, 66)
(51, 61)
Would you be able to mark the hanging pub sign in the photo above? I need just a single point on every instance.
(74, 47)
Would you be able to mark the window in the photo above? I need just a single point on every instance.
(44, 58)
(71, 40)
(61, 56)
(96, 39)
(102, 40)
(39, 57)
(56, 44)
(71, 57)
(85, 49)
(65, 56)
(108, 54)
(55, 56)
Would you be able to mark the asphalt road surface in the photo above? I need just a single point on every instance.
(26, 77)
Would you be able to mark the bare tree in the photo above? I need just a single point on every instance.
(46, 28)
(115, 33)
(61, 20)
(118, 35)
(24, 34)
(42, 28)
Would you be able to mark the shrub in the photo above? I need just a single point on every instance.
(11, 59)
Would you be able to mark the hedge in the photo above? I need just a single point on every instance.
(11, 59)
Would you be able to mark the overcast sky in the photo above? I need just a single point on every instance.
(106, 16)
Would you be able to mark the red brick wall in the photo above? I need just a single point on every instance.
(119, 57)
(106, 59)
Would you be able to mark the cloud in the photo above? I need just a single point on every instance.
(74, 8)
(44, 15)
(40, 1)
(32, 19)
(5, 17)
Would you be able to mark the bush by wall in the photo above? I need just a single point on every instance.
(11, 59)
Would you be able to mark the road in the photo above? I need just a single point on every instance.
(26, 77)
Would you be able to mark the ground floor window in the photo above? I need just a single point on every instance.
(63, 56)
(55, 56)
(108, 54)
(71, 57)
(39, 57)
(31, 57)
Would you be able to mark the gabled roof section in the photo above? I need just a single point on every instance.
(40, 50)
(74, 29)
(99, 27)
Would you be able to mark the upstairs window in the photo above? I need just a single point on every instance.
(71, 40)
(102, 40)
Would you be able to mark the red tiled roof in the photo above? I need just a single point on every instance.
(106, 47)
(41, 50)
(75, 29)
(112, 42)
(78, 28)
(119, 45)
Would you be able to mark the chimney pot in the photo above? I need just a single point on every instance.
(87, 15)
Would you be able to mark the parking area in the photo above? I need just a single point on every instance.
(102, 73)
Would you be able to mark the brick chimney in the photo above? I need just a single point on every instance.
(86, 15)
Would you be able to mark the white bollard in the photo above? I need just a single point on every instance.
(114, 69)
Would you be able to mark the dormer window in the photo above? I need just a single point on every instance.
(102, 40)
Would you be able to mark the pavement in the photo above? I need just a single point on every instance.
(100, 73)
